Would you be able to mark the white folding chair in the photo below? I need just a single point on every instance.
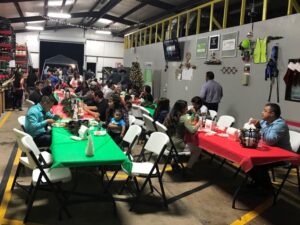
(173, 153)
(131, 137)
(144, 111)
(136, 112)
(213, 114)
(156, 144)
(225, 121)
(24, 160)
(295, 143)
(43, 176)
(21, 121)
(149, 123)
(30, 103)
(131, 119)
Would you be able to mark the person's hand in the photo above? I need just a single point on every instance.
(50, 121)
(96, 114)
(253, 121)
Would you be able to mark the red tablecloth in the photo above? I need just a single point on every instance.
(58, 109)
(247, 158)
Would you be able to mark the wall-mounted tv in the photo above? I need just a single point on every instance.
(172, 50)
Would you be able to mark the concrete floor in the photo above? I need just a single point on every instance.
(204, 198)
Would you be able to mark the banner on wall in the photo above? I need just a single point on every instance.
(201, 48)
(148, 74)
(229, 43)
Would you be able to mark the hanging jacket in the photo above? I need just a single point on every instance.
(271, 68)
(260, 51)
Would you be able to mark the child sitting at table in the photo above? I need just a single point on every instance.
(116, 126)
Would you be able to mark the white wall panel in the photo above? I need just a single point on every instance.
(35, 60)
(94, 48)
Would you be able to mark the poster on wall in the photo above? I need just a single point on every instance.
(201, 48)
(148, 74)
(214, 42)
(229, 43)
(187, 74)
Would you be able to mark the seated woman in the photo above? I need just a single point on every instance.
(162, 110)
(178, 122)
(146, 94)
(74, 81)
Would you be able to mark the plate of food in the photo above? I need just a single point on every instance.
(100, 132)
(223, 135)
(58, 124)
(93, 123)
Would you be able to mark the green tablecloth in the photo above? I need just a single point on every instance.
(67, 152)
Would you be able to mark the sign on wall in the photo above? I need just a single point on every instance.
(229, 43)
(214, 42)
(201, 47)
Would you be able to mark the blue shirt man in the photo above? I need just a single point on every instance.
(211, 92)
(274, 132)
(37, 118)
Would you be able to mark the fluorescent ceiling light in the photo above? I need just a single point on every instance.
(34, 28)
(59, 2)
(32, 14)
(105, 21)
(103, 32)
(59, 15)
(39, 21)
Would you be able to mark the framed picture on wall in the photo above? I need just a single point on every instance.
(201, 47)
(229, 43)
(214, 42)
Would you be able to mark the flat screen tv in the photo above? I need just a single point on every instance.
(172, 50)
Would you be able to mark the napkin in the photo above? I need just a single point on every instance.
(233, 133)
(83, 131)
(210, 125)
(89, 151)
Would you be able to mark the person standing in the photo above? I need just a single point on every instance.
(211, 92)
(18, 89)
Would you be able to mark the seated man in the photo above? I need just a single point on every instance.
(37, 94)
(37, 119)
(98, 110)
(274, 132)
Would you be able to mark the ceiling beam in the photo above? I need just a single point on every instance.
(158, 4)
(72, 6)
(63, 4)
(74, 15)
(105, 9)
(16, 1)
(91, 10)
(45, 7)
(133, 10)
(19, 10)
(45, 28)
(176, 9)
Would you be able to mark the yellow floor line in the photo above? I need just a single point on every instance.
(7, 193)
(7, 115)
(254, 213)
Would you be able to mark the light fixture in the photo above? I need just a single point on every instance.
(59, 15)
(34, 28)
(103, 32)
(59, 2)
(38, 21)
(104, 21)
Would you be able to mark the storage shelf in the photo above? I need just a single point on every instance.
(21, 55)
(5, 32)
(6, 45)
(21, 48)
